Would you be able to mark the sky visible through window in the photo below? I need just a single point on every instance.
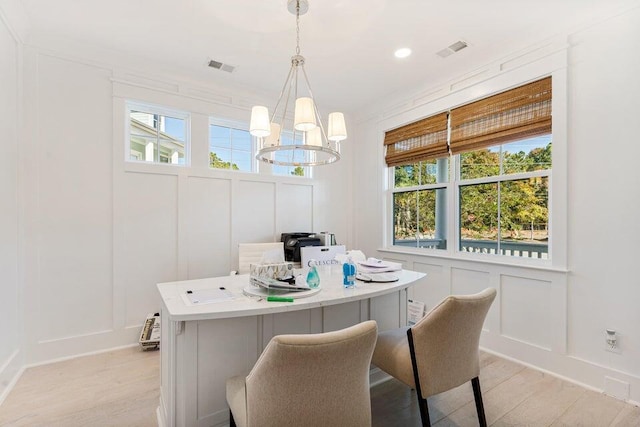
(175, 128)
(525, 145)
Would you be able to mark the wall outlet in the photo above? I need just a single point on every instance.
(612, 341)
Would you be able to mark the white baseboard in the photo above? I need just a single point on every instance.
(10, 373)
(75, 356)
(563, 366)
(45, 352)
(160, 418)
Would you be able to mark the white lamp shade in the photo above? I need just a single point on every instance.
(305, 116)
(274, 138)
(337, 130)
(259, 125)
(314, 137)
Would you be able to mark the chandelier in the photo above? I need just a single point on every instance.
(308, 144)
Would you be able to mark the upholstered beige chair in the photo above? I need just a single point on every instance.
(307, 380)
(252, 253)
(439, 352)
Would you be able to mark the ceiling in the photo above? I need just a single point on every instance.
(348, 44)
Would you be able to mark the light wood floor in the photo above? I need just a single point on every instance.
(121, 388)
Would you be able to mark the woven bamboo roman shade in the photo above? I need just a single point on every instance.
(518, 113)
(422, 140)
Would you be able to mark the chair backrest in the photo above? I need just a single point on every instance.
(446, 341)
(249, 253)
(313, 380)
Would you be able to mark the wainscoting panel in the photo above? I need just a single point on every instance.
(209, 202)
(150, 240)
(522, 319)
(433, 288)
(341, 316)
(234, 354)
(385, 310)
(465, 281)
(72, 183)
(294, 322)
(254, 212)
(295, 208)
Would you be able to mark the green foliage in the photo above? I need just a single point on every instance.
(414, 212)
(420, 173)
(479, 211)
(521, 205)
(298, 171)
(479, 164)
(217, 162)
(541, 158)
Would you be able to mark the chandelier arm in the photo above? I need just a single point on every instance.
(317, 112)
(295, 97)
(286, 101)
(275, 110)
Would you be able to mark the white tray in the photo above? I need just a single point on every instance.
(255, 291)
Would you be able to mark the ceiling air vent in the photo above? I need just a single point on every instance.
(455, 47)
(220, 66)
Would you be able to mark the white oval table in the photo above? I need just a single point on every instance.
(203, 344)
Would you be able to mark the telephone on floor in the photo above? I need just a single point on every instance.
(150, 335)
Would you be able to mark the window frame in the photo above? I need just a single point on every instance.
(554, 66)
(154, 109)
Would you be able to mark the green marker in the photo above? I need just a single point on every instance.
(280, 299)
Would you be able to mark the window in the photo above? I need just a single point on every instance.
(499, 183)
(157, 135)
(419, 204)
(231, 148)
(504, 199)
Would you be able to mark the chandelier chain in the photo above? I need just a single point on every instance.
(298, 27)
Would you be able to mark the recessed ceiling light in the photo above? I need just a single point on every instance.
(402, 53)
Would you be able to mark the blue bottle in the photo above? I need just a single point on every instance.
(349, 273)
(313, 279)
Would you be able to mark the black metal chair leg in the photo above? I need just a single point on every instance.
(422, 402)
(424, 412)
(477, 394)
(232, 422)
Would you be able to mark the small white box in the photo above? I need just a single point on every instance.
(323, 255)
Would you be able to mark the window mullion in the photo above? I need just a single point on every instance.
(499, 209)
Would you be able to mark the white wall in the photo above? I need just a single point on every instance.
(553, 317)
(604, 193)
(11, 325)
(101, 232)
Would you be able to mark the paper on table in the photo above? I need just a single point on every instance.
(207, 296)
